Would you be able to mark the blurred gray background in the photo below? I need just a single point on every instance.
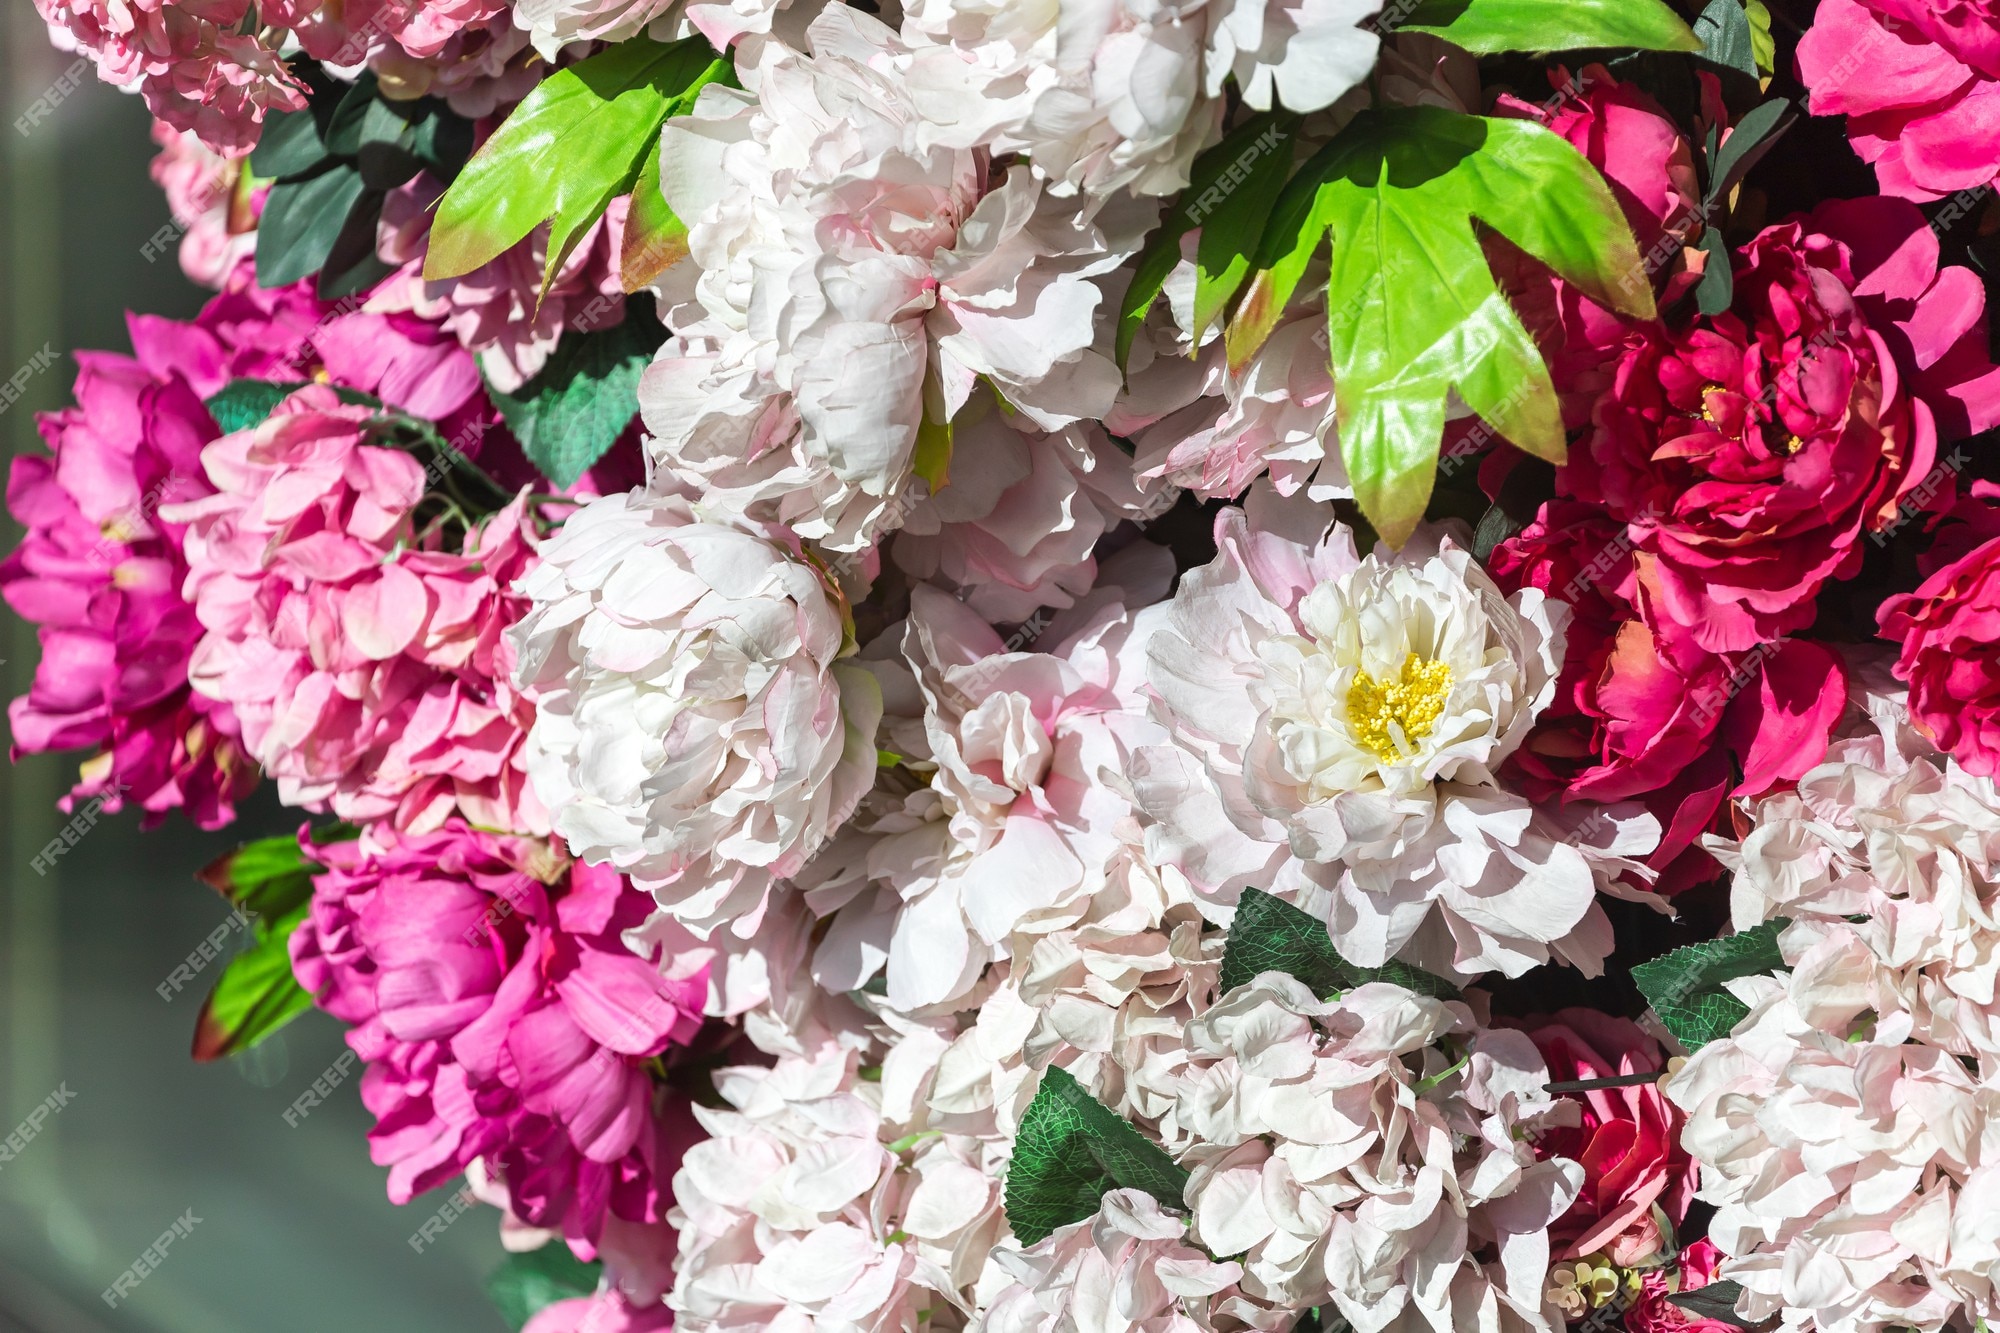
(295, 1234)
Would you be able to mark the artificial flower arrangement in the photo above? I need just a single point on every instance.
(1113, 666)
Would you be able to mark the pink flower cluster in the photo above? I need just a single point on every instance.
(501, 1017)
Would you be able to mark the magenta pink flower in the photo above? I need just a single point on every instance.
(1753, 454)
(606, 1312)
(1919, 83)
(100, 570)
(363, 654)
(1652, 1312)
(1950, 632)
(502, 1017)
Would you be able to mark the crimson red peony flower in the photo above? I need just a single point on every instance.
(1919, 83)
(1653, 1312)
(1753, 454)
(1628, 1140)
(1950, 632)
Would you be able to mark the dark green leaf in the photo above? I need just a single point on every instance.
(352, 264)
(301, 221)
(1715, 1301)
(256, 994)
(525, 1283)
(241, 404)
(1724, 32)
(1070, 1152)
(1685, 986)
(1496, 525)
(583, 399)
(1258, 153)
(289, 146)
(358, 117)
(1268, 934)
(1412, 311)
(1753, 137)
(1486, 27)
(578, 141)
(1718, 284)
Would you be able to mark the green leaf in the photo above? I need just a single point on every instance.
(301, 221)
(241, 404)
(1268, 934)
(289, 146)
(1724, 32)
(256, 994)
(1412, 311)
(525, 1283)
(1685, 986)
(1716, 1301)
(1487, 27)
(1754, 135)
(579, 403)
(1070, 1152)
(1231, 187)
(1762, 44)
(268, 877)
(655, 239)
(577, 142)
(1717, 287)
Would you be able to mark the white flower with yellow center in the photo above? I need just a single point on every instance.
(1337, 726)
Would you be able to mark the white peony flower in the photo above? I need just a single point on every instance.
(850, 278)
(693, 725)
(1337, 725)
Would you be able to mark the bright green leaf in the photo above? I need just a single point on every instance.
(256, 994)
(655, 239)
(1762, 44)
(577, 142)
(301, 221)
(579, 403)
(1230, 190)
(1486, 27)
(1412, 311)
(1070, 1152)
(268, 877)
(527, 1282)
(932, 459)
(1268, 934)
(1685, 986)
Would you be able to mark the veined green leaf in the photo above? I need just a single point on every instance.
(241, 404)
(1486, 27)
(1268, 934)
(1685, 986)
(578, 404)
(1070, 1152)
(301, 221)
(1412, 311)
(577, 142)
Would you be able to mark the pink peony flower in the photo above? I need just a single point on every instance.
(1752, 454)
(1919, 83)
(1652, 1312)
(100, 570)
(606, 1312)
(199, 185)
(1628, 1139)
(193, 70)
(501, 1017)
(364, 657)
(1950, 632)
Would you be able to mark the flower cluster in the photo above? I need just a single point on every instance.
(1088, 667)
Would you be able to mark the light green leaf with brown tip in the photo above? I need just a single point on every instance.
(655, 239)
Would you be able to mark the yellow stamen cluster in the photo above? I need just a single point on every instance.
(1389, 720)
(1591, 1283)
